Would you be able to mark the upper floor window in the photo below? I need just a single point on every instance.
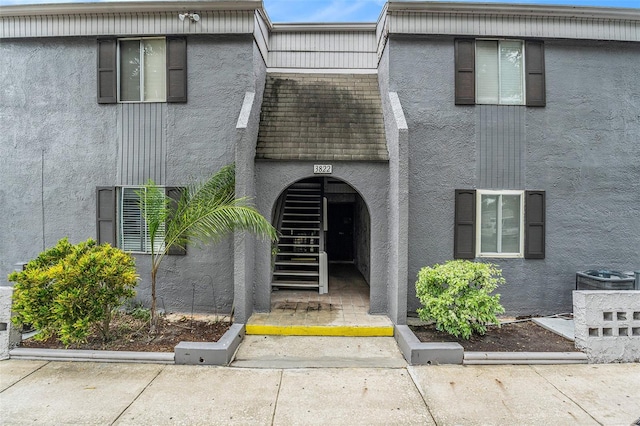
(500, 72)
(148, 69)
(142, 71)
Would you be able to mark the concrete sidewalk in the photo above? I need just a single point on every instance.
(40, 392)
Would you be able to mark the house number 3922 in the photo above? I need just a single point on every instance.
(322, 169)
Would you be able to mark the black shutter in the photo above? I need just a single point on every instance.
(175, 193)
(464, 243)
(534, 63)
(107, 72)
(465, 78)
(106, 215)
(534, 224)
(176, 69)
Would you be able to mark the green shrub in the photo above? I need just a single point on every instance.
(69, 290)
(456, 295)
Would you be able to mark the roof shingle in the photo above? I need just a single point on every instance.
(321, 117)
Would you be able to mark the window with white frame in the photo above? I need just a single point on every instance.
(500, 219)
(142, 70)
(133, 233)
(500, 72)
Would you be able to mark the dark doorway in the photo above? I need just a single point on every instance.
(340, 242)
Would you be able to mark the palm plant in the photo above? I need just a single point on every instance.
(205, 213)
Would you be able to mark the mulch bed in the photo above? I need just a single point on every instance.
(132, 334)
(511, 337)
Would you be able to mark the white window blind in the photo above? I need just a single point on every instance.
(134, 235)
(511, 73)
(499, 72)
(487, 69)
(154, 70)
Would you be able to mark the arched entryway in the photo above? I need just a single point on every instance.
(322, 261)
(367, 185)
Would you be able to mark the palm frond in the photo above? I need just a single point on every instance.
(208, 211)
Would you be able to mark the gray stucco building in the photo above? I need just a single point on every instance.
(501, 133)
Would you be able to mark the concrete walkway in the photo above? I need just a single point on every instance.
(381, 391)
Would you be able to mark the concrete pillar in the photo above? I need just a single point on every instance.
(10, 336)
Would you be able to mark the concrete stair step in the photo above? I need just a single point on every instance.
(295, 284)
(294, 263)
(296, 273)
(273, 351)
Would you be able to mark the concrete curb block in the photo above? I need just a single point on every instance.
(86, 355)
(211, 353)
(419, 353)
(497, 358)
(200, 353)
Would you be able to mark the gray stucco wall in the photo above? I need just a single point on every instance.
(57, 144)
(397, 135)
(582, 149)
(54, 108)
(244, 244)
(369, 179)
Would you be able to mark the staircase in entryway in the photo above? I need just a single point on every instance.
(297, 262)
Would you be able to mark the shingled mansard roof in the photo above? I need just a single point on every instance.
(321, 117)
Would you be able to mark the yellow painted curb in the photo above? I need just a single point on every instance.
(319, 330)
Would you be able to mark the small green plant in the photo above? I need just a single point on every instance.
(457, 296)
(139, 312)
(69, 290)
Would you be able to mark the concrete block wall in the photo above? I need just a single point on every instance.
(607, 325)
(10, 336)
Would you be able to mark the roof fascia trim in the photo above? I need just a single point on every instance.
(128, 7)
(312, 27)
(503, 9)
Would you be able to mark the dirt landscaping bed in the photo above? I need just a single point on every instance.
(132, 334)
(511, 337)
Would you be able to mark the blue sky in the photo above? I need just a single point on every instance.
(369, 10)
(354, 10)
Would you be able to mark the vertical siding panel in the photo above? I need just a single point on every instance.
(487, 146)
(512, 146)
(500, 146)
(140, 143)
(490, 148)
(493, 153)
(130, 144)
(135, 134)
(119, 133)
(515, 143)
(152, 142)
(521, 147)
(509, 148)
(137, 138)
(479, 149)
(123, 143)
(158, 137)
(163, 139)
(146, 143)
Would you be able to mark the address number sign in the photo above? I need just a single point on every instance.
(322, 169)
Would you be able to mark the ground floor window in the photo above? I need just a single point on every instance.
(500, 215)
(133, 232)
